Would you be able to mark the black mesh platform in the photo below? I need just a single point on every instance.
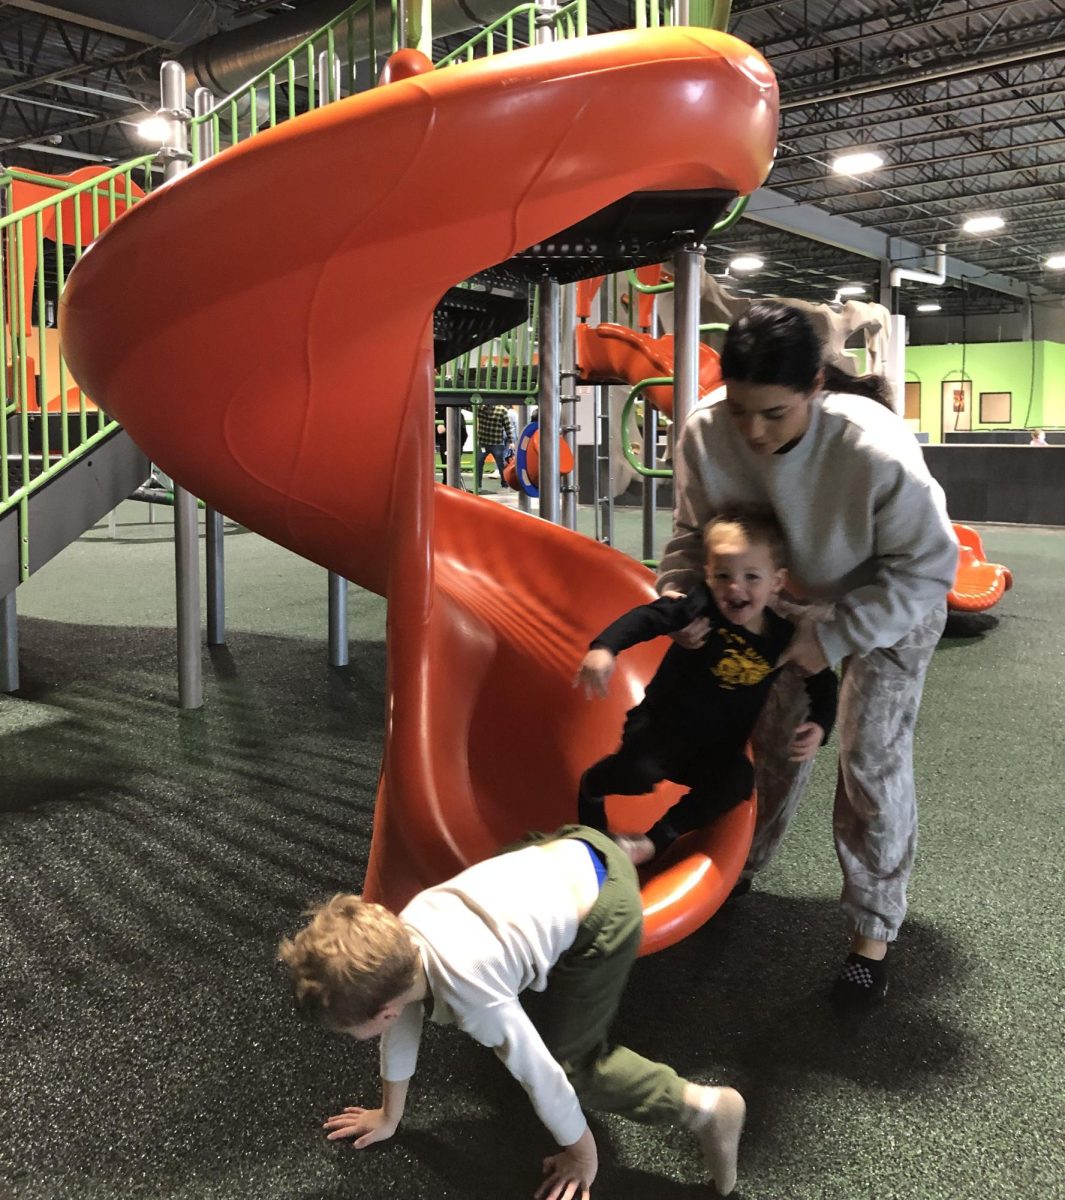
(635, 231)
(488, 305)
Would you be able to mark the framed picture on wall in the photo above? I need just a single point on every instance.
(912, 406)
(995, 407)
(957, 405)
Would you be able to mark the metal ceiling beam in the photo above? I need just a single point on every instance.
(1030, 53)
(769, 207)
(164, 23)
(982, 201)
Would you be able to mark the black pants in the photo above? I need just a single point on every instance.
(718, 778)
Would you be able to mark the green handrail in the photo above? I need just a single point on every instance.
(626, 414)
(569, 21)
(732, 216)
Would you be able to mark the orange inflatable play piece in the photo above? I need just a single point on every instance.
(978, 584)
(610, 353)
(235, 374)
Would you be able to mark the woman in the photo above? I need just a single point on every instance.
(871, 548)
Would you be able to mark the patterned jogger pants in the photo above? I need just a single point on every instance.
(875, 814)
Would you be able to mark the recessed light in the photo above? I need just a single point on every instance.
(746, 262)
(154, 129)
(983, 224)
(857, 162)
(1056, 262)
(929, 307)
(852, 289)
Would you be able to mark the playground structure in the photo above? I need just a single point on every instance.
(978, 584)
(476, 638)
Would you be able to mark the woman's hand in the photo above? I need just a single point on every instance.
(804, 650)
(570, 1173)
(595, 672)
(368, 1125)
(806, 742)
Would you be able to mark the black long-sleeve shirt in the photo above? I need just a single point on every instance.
(717, 691)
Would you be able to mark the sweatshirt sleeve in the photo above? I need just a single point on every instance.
(822, 690)
(916, 557)
(399, 1044)
(641, 624)
(682, 561)
(507, 1030)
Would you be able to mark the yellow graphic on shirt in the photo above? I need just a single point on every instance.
(740, 665)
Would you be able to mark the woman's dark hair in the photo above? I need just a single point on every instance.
(776, 344)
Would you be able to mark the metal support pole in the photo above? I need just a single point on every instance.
(338, 620)
(524, 501)
(546, 11)
(216, 578)
(453, 449)
(214, 523)
(549, 399)
(604, 467)
(329, 78)
(650, 484)
(8, 644)
(687, 271)
(186, 517)
(568, 386)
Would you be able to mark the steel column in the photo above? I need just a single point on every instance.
(687, 269)
(549, 399)
(8, 644)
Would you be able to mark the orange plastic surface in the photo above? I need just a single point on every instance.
(978, 584)
(249, 294)
(616, 354)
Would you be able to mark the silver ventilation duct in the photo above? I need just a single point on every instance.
(226, 61)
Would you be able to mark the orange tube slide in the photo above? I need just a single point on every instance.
(222, 319)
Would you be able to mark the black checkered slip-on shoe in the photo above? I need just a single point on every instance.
(861, 981)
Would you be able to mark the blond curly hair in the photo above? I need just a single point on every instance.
(349, 961)
(754, 525)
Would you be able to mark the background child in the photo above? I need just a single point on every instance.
(557, 921)
(698, 712)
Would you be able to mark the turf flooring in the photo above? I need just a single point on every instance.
(151, 858)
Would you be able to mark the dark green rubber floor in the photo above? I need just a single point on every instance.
(150, 859)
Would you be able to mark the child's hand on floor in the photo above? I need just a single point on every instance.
(595, 672)
(570, 1173)
(806, 742)
(369, 1125)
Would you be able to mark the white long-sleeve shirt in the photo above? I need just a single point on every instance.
(866, 524)
(485, 936)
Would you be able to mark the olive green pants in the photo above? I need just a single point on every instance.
(584, 988)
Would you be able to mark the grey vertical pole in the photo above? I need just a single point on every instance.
(338, 620)
(650, 484)
(568, 380)
(682, 12)
(328, 90)
(604, 467)
(687, 268)
(214, 523)
(186, 518)
(549, 399)
(8, 644)
(524, 501)
(453, 456)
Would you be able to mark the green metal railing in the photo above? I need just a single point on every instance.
(47, 420)
(321, 69)
(517, 29)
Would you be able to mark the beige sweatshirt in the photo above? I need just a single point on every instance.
(866, 524)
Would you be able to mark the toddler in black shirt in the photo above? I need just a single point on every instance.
(696, 718)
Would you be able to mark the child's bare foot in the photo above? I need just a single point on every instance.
(715, 1115)
(639, 849)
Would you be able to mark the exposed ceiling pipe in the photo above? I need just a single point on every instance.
(226, 61)
(938, 277)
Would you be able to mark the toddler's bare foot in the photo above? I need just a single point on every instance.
(639, 849)
(715, 1115)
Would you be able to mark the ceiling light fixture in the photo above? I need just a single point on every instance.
(1056, 262)
(852, 289)
(983, 224)
(929, 307)
(746, 262)
(857, 162)
(154, 129)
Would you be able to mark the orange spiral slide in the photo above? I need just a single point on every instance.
(224, 318)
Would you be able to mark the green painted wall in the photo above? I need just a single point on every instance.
(1033, 372)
